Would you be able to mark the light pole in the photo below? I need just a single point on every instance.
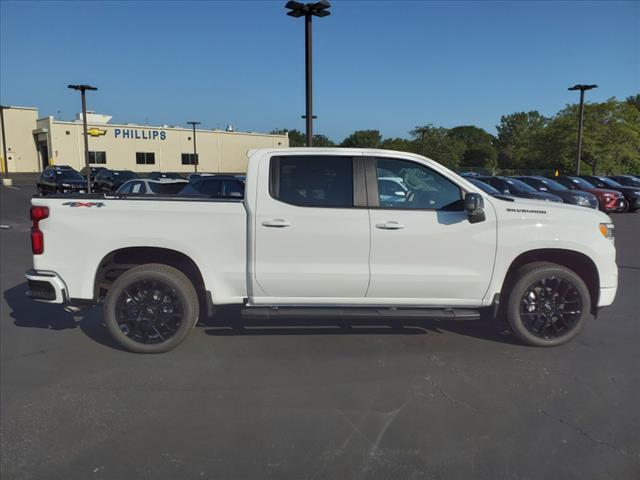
(195, 148)
(4, 140)
(83, 89)
(308, 10)
(582, 89)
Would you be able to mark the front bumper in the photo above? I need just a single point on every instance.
(46, 287)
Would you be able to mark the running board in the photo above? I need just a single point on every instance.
(268, 313)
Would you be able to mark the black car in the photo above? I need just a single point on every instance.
(219, 186)
(517, 188)
(111, 180)
(93, 171)
(485, 187)
(61, 180)
(542, 184)
(159, 175)
(626, 180)
(631, 194)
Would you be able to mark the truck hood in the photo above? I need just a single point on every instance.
(552, 209)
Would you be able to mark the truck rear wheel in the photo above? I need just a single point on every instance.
(151, 308)
(548, 304)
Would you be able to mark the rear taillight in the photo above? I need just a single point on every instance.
(37, 238)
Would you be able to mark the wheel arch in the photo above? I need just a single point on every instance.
(119, 261)
(578, 262)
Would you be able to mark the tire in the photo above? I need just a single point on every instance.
(559, 317)
(626, 208)
(164, 303)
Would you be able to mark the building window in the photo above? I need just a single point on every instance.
(189, 159)
(145, 158)
(98, 158)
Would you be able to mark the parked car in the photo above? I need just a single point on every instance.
(517, 188)
(608, 200)
(392, 189)
(60, 180)
(631, 194)
(218, 186)
(93, 171)
(574, 197)
(111, 180)
(626, 180)
(485, 187)
(158, 175)
(314, 238)
(147, 186)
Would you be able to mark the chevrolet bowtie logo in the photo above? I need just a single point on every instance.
(96, 132)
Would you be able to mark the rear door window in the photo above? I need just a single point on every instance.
(312, 181)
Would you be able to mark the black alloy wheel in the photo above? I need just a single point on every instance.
(551, 307)
(151, 308)
(547, 304)
(149, 311)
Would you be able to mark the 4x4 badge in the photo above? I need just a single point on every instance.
(84, 204)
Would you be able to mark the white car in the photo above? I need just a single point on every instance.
(313, 237)
(144, 186)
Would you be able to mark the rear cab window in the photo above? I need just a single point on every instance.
(312, 181)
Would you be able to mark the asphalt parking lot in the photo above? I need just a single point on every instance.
(321, 401)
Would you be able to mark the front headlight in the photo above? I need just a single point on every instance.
(606, 229)
(580, 200)
(68, 185)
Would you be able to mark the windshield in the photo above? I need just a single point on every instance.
(519, 186)
(609, 182)
(629, 181)
(68, 175)
(552, 184)
(166, 188)
(485, 187)
(582, 183)
(124, 175)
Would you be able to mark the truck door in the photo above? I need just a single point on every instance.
(423, 248)
(311, 230)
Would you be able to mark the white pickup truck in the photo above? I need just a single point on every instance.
(316, 235)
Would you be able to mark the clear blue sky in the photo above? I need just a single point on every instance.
(384, 65)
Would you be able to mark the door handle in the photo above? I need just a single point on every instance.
(391, 225)
(276, 223)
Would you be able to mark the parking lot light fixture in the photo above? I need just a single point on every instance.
(83, 89)
(4, 141)
(582, 89)
(308, 10)
(195, 148)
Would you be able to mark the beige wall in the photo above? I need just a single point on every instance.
(22, 155)
(219, 151)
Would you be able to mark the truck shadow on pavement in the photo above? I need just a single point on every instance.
(227, 322)
(31, 314)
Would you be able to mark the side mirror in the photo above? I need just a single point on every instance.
(474, 206)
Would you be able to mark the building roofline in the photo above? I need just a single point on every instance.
(160, 127)
(17, 107)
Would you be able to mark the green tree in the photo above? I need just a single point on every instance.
(322, 141)
(436, 143)
(363, 139)
(296, 137)
(610, 143)
(517, 136)
(634, 100)
(480, 149)
(399, 144)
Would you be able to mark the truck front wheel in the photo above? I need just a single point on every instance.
(548, 304)
(151, 308)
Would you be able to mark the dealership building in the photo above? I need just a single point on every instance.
(32, 143)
